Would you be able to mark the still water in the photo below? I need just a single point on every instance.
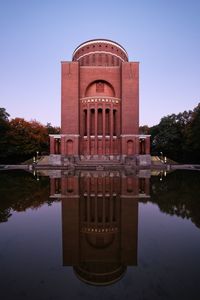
(99, 235)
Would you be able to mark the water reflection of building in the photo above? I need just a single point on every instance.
(100, 223)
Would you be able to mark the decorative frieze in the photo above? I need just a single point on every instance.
(100, 100)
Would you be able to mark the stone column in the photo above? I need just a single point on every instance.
(111, 202)
(88, 203)
(52, 147)
(88, 129)
(137, 146)
(147, 144)
(104, 129)
(111, 129)
(96, 129)
(56, 146)
(95, 210)
(63, 145)
(104, 211)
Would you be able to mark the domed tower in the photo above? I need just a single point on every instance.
(100, 104)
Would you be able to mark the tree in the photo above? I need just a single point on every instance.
(167, 137)
(4, 128)
(144, 129)
(178, 136)
(20, 139)
(3, 115)
(192, 143)
(52, 130)
(26, 138)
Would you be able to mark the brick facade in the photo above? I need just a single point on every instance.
(99, 103)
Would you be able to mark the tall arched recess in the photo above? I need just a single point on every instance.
(100, 88)
(69, 147)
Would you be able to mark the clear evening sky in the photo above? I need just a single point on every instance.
(35, 35)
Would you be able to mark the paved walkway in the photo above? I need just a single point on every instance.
(160, 167)
(15, 167)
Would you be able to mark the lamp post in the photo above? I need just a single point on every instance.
(37, 152)
(161, 156)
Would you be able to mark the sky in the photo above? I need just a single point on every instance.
(36, 35)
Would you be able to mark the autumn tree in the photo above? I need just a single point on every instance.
(21, 139)
(26, 138)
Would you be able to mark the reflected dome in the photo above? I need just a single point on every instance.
(99, 273)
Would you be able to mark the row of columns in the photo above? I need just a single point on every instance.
(99, 210)
(100, 122)
(100, 203)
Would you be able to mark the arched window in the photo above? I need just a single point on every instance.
(130, 147)
(69, 147)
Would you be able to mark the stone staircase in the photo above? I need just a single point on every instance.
(93, 162)
(156, 160)
(98, 162)
(43, 160)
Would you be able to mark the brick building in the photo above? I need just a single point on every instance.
(100, 105)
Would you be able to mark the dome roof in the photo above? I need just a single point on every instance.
(100, 273)
(102, 47)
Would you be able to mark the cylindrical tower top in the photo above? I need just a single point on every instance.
(100, 52)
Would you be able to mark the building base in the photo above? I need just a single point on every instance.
(95, 161)
(143, 160)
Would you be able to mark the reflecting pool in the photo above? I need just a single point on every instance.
(99, 235)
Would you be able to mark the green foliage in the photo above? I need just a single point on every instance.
(168, 137)
(192, 145)
(51, 129)
(178, 136)
(3, 115)
(4, 129)
(144, 129)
